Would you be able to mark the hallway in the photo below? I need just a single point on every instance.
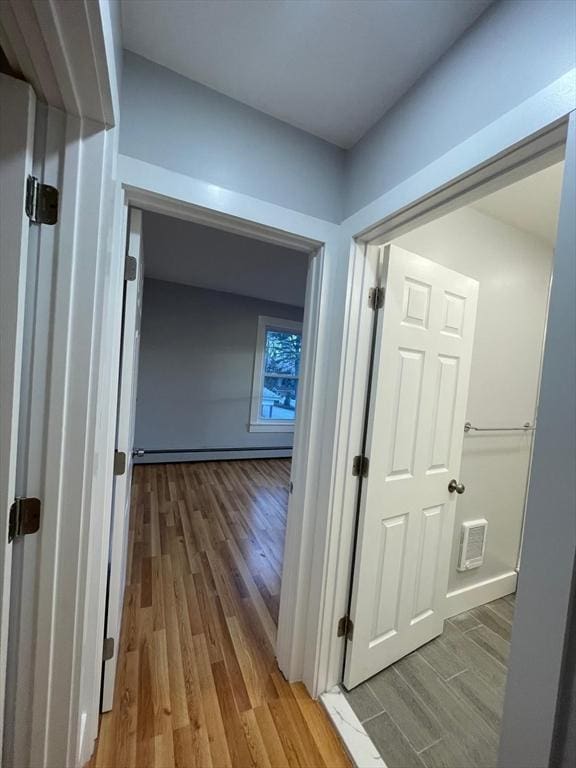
(197, 681)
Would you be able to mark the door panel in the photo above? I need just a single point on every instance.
(125, 443)
(414, 443)
(16, 148)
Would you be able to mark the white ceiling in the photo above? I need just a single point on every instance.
(331, 67)
(531, 204)
(183, 252)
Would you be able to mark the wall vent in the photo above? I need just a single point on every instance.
(472, 544)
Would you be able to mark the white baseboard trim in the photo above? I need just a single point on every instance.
(473, 595)
(358, 744)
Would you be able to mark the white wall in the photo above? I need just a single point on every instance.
(514, 50)
(171, 121)
(195, 373)
(513, 268)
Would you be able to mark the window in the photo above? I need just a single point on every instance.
(276, 375)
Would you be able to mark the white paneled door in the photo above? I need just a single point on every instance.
(423, 353)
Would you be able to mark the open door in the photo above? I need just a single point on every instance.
(130, 346)
(422, 359)
(17, 114)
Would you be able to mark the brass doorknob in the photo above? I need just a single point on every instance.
(454, 485)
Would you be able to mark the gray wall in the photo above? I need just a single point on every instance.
(170, 121)
(195, 372)
(514, 50)
(181, 251)
(548, 552)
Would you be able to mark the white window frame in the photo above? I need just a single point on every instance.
(257, 423)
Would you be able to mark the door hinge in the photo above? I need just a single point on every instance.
(41, 202)
(108, 649)
(130, 268)
(119, 462)
(24, 517)
(376, 297)
(345, 627)
(360, 466)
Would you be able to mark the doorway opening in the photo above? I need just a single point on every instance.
(216, 333)
(452, 412)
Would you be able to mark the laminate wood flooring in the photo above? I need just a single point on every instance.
(441, 706)
(197, 682)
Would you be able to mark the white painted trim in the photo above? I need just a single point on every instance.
(358, 743)
(48, 153)
(124, 429)
(537, 114)
(301, 597)
(257, 423)
(73, 256)
(64, 51)
(472, 595)
(424, 194)
(158, 189)
(272, 426)
(17, 122)
(363, 275)
(103, 488)
(278, 323)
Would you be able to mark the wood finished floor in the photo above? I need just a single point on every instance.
(197, 683)
(441, 706)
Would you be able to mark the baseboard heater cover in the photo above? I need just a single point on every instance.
(148, 451)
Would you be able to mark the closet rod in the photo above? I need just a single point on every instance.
(526, 428)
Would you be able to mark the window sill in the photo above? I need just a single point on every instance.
(271, 427)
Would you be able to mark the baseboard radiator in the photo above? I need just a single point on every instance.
(159, 455)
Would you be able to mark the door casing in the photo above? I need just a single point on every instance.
(527, 156)
(147, 191)
(16, 148)
(121, 498)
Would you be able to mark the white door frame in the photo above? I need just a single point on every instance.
(154, 189)
(525, 157)
(121, 498)
(16, 148)
(66, 52)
